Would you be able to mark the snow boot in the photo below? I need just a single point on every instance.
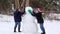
(14, 30)
(43, 33)
(19, 31)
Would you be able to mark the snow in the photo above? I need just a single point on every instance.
(57, 16)
(7, 26)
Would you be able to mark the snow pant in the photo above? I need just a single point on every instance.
(42, 27)
(17, 24)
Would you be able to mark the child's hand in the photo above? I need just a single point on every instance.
(36, 11)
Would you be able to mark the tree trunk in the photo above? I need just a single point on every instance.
(17, 5)
(27, 3)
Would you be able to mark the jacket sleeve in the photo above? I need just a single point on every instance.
(23, 13)
(33, 14)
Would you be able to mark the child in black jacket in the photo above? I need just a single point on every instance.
(38, 14)
(17, 19)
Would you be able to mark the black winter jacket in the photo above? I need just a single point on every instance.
(39, 17)
(17, 16)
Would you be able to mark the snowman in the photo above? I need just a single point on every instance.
(29, 25)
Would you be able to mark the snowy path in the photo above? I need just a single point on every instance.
(7, 25)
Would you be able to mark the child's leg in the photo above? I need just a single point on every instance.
(42, 27)
(15, 26)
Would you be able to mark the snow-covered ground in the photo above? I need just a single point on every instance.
(7, 26)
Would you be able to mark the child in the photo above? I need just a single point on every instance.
(17, 18)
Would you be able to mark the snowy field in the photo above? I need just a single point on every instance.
(7, 26)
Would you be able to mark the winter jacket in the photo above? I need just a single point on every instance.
(38, 17)
(17, 15)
